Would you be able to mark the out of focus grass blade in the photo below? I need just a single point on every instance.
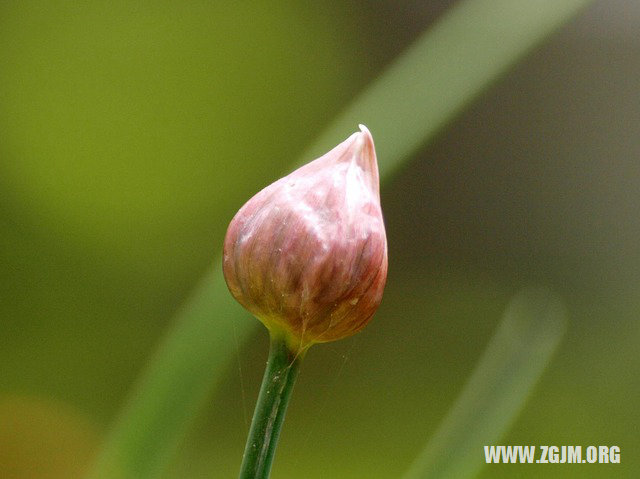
(444, 69)
(530, 331)
(178, 379)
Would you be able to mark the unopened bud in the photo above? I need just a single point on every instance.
(307, 255)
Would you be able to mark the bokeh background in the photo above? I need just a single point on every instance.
(131, 132)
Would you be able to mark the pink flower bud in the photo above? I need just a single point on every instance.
(307, 255)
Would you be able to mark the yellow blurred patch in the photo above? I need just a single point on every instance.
(43, 439)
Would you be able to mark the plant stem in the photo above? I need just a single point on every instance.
(277, 384)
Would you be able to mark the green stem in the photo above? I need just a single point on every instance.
(277, 384)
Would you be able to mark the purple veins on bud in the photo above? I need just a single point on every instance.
(307, 255)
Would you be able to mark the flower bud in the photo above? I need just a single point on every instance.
(307, 255)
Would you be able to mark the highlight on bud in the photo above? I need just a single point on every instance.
(307, 255)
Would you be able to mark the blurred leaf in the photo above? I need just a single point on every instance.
(530, 332)
(445, 68)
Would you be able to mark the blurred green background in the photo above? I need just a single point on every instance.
(131, 132)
